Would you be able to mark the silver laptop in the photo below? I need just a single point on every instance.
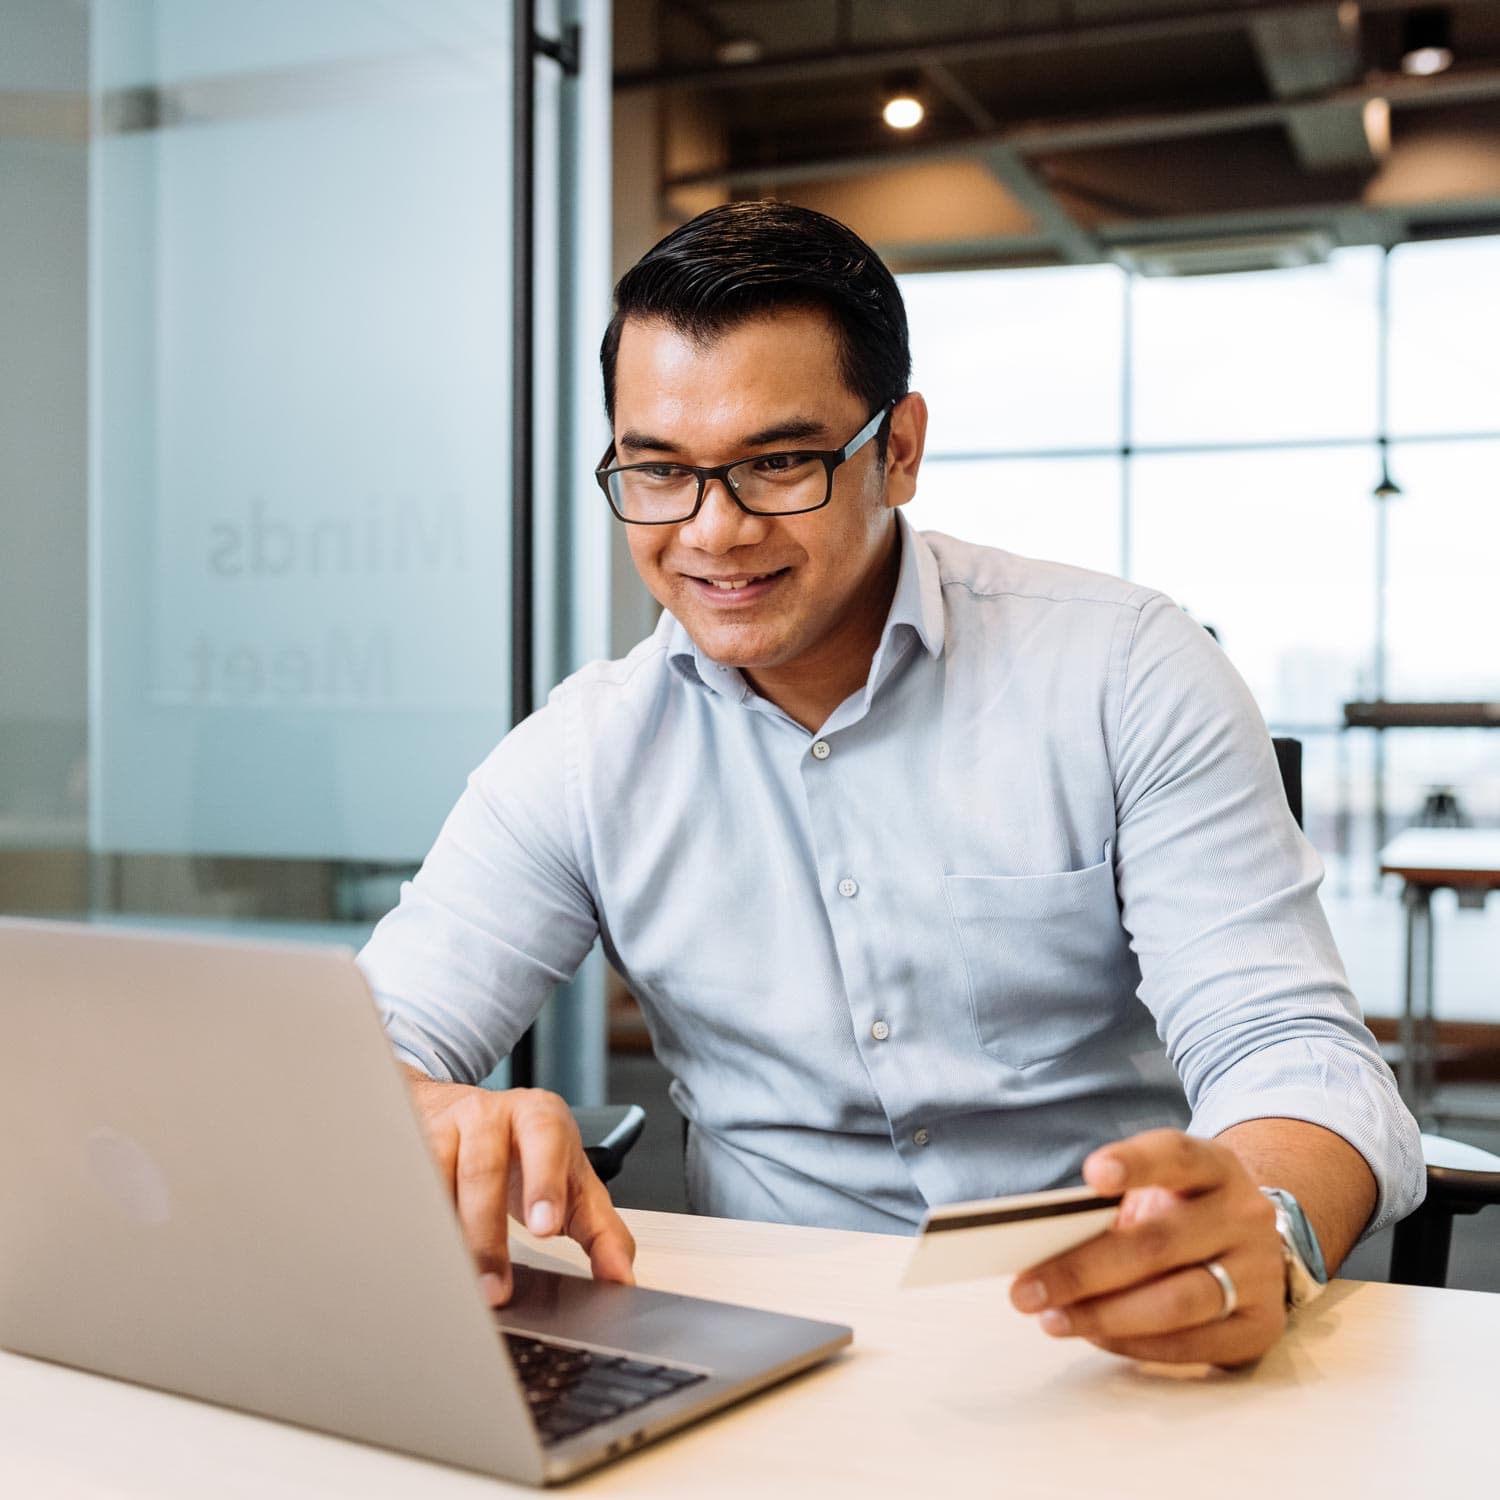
(212, 1181)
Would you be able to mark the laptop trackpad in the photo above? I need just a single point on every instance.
(606, 1315)
(731, 1341)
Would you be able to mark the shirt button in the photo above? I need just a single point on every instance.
(848, 887)
(880, 1031)
(822, 749)
(920, 1137)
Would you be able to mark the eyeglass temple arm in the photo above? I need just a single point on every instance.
(868, 431)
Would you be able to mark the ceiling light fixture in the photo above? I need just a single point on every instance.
(738, 51)
(1427, 41)
(1387, 488)
(903, 107)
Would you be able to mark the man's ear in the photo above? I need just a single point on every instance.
(903, 448)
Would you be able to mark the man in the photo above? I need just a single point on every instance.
(938, 872)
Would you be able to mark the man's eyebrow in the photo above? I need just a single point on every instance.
(644, 442)
(795, 430)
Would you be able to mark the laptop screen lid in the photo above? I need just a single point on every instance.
(211, 1183)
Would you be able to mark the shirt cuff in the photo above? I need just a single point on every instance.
(407, 1043)
(1373, 1119)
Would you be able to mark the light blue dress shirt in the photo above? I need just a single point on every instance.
(1033, 888)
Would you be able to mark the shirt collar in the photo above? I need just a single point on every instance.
(919, 591)
(916, 608)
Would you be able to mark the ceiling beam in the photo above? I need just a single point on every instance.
(1073, 243)
(1474, 86)
(909, 52)
(1350, 226)
(968, 254)
(877, 57)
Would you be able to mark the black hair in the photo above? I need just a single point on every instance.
(740, 260)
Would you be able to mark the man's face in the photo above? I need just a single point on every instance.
(812, 582)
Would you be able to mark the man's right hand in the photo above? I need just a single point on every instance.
(518, 1151)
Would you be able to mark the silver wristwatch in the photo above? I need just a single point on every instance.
(1306, 1274)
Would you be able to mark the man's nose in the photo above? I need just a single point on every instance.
(720, 525)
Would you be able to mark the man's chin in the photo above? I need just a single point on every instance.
(745, 650)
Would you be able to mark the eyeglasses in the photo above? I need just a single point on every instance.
(770, 484)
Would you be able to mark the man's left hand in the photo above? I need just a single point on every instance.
(1141, 1289)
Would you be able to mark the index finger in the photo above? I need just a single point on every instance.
(1157, 1158)
(561, 1191)
(597, 1226)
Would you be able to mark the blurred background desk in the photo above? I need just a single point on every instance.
(1466, 860)
(1382, 714)
(1378, 1392)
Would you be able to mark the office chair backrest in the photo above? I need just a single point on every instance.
(1289, 763)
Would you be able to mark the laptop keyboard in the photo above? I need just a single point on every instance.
(571, 1389)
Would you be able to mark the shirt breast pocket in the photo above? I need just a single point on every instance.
(1045, 957)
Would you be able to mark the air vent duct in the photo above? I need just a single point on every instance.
(1226, 256)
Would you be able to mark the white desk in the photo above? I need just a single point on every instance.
(1382, 1391)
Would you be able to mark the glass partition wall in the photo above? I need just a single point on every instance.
(257, 303)
(1222, 438)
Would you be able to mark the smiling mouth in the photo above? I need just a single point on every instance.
(734, 585)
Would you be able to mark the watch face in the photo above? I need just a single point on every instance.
(1307, 1274)
(1308, 1251)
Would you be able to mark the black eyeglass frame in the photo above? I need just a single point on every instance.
(830, 458)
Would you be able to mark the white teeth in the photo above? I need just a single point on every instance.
(736, 583)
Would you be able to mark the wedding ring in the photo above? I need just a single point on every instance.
(1226, 1287)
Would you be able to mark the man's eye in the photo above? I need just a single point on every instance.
(781, 465)
(662, 473)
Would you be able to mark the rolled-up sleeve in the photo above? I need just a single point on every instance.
(1218, 890)
(498, 915)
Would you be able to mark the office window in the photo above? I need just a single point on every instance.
(1275, 550)
(1444, 549)
(1270, 355)
(1018, 361)
(1445, 337)
(1067, 510)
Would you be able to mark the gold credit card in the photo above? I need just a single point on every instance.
(1002, 1236)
